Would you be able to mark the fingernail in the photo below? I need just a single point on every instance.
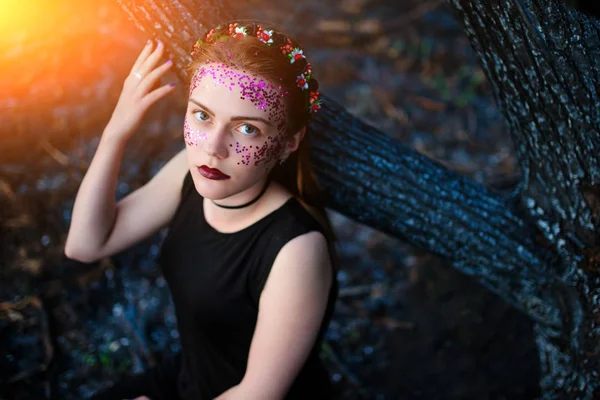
(172, 84)
(169, 62)
(148, 42)
(160, 43)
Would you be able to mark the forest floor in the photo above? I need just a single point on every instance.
(406, 326)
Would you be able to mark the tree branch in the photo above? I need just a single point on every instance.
(541, 58)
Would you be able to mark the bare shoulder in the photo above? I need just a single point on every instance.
(311, 245)
(305, 256)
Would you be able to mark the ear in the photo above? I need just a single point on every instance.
(294, 141)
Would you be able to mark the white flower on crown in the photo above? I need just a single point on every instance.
(302, 82)
(265, 36)
(296, 54)
(240, 30)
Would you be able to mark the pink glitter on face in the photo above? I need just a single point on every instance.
(267, 152)
(192, 136)
(265, 96)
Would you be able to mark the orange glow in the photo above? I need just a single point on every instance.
(62, 63)
(19, 17)
(41, 42)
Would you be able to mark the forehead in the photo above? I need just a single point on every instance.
(229, 88)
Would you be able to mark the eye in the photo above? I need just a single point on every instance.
(249, 130)
(200, 115)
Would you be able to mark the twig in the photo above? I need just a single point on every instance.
(407, 18)
(353, 379)
(355, 290)
(58, 155)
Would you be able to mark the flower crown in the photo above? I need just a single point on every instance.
(304, 81)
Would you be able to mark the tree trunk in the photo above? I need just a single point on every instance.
(541, 58)
(537, 246)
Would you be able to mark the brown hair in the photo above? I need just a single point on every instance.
(250, 54)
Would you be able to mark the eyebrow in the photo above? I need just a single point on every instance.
(236, 118)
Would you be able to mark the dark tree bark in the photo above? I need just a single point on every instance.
(537, 247)
(542, 60)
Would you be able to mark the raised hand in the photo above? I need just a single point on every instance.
(139, 91)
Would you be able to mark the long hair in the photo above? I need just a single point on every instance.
(248, 53)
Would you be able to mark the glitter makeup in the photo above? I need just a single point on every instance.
(192, 136)
(265, 96)
(267, 152)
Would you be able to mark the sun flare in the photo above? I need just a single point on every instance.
(19, 17)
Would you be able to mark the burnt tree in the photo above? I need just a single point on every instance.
(537, 246)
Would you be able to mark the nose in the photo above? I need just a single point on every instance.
(216, 142)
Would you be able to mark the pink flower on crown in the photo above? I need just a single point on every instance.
(302, 82)
(209, 36)
(196, 47)
(296, 55)
(314, 96)
(308, 69)
(314, 107)
(265, 36)
(314, 102)
(287, 47)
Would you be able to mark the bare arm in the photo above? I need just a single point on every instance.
(291, 309)
(99, 227)
(95, 210)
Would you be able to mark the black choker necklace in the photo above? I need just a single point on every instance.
(251, 201)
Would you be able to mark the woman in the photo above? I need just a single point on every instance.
(249, 258)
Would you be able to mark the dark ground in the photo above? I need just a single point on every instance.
(407, 326)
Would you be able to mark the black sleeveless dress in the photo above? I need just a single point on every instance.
(215, 281)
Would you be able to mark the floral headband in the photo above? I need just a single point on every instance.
(304, 81)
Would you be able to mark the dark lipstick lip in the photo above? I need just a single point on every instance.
(212, 173)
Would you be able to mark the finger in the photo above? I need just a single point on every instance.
(142, 57)
(157, 94)
(150, 62)
(149, 82)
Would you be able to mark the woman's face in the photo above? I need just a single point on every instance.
(235, 123)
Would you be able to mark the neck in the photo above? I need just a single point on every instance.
(241, 205)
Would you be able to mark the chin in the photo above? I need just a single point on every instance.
(213, 190)
(214, 193)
